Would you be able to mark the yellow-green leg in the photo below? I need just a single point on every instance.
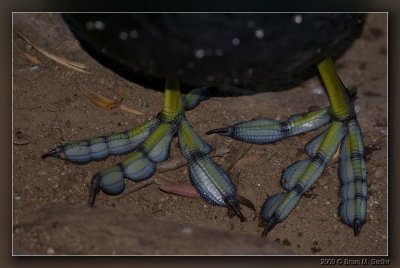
(298, 177)
(149, 144)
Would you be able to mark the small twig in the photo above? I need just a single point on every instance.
(155, 211)
(138, 185)
(380, 137)
(67, 63)
(32, 58)
(22, 143)
(24, 78)
(158, 179)
(369, 149)
(28, 108)
(273, 155)
(161, 179)
(220, 152)
(336, 155)
(129, 110)
(171, 165)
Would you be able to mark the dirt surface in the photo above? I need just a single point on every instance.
(50, 212)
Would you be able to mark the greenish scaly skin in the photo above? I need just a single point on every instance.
(148, 144)
(343, 131)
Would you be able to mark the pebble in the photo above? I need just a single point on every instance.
(42, 172)
(380, 172)
(187, 230)
(370, 203)
(50, 251)
(318, 90)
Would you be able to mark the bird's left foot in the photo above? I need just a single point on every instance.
(343, 131)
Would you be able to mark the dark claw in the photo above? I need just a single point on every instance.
(233, 204)
(54, 152)
(270, 224)
(352, 91)
(246, 202)
(221, 131)
(357, 225)
(242, 218)
(94, 189)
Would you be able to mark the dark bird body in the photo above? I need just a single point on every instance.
(254, 52)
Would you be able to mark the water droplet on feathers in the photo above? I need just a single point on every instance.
(236, 41)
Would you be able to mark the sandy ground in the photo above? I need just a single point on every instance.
(50, 212)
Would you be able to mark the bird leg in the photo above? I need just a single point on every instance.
(149, 144)
(343, 131)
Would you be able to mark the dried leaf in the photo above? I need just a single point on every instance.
(130, 110)
(32, 58)
(106, 103)
(67, 63)
(180, 189)
(101, 101)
